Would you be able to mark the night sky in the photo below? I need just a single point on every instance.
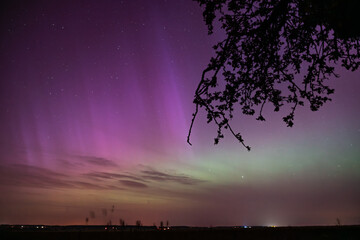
(95, 107)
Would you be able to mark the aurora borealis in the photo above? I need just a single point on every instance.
(95, 106)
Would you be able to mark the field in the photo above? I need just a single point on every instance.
(318, 233)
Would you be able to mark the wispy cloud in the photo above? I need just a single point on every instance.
(99, 161)
(156, 175)
(108, 175)
(21, 175)
(30, 176)
(133, 184)
(86, 185)
(36, 177)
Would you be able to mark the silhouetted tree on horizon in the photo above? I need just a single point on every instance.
(338, 222)
(278, 52)
(122, 222)
(138, 223)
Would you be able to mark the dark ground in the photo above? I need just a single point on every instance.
(318, 233)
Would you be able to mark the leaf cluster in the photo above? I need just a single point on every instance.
(277, 53)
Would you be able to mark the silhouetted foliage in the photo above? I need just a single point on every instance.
(138, 223)
(278, 52)
(122, 222)
(338, 222)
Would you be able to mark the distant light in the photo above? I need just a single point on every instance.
(245, 226)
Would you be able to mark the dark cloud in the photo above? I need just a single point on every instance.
(39, 170)
(155, 175)
(30, 176)
(99, 161)
(98, 175)
(106, 175)
(69, 164)
(80, 184)
(37, 177)
(133, 184)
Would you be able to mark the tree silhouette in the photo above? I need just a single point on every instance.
(122, 222)
(278, 52)
(138, 223)
(338, 222)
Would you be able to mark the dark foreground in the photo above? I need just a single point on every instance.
(318, 233)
